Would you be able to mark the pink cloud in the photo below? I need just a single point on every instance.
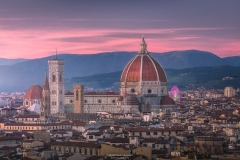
(41, 43)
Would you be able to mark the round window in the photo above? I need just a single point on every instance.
(149, 91)
(133, 90)
(99, 101)
(71, 101)
(85, 101)
(113, 101)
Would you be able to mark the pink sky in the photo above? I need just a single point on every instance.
(41, 43)
(33, 29)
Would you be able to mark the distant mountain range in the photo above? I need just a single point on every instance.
(19, 76)
(215, 77)
(5, 61)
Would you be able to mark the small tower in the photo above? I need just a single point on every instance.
(56, 84)
(78, 98)
(45, 109)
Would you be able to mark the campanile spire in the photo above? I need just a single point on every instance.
(45, 109)
(46, 82)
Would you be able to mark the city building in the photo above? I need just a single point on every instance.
(143, 88)
(229, 92)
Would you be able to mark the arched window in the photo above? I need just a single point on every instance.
(53, 78)
(26, 103)
(53, 91)
(60, 78)
(77, 95)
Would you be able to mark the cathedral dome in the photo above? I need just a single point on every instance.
(143, 68)
(34, 92)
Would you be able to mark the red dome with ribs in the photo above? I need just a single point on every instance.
(145, 68)
(34, 92)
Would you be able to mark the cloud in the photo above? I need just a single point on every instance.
(38, 43)
(93, 39)
(34, 29)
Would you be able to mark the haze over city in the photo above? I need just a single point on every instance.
(33, 29)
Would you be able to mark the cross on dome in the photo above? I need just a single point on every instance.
(143, 47)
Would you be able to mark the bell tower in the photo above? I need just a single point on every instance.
(56, 84)
(78, 98)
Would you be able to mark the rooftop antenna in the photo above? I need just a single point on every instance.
(56, 53)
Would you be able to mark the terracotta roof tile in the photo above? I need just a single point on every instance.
(78, 144)
(34, 92)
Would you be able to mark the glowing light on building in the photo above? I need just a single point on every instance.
(175, 94)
